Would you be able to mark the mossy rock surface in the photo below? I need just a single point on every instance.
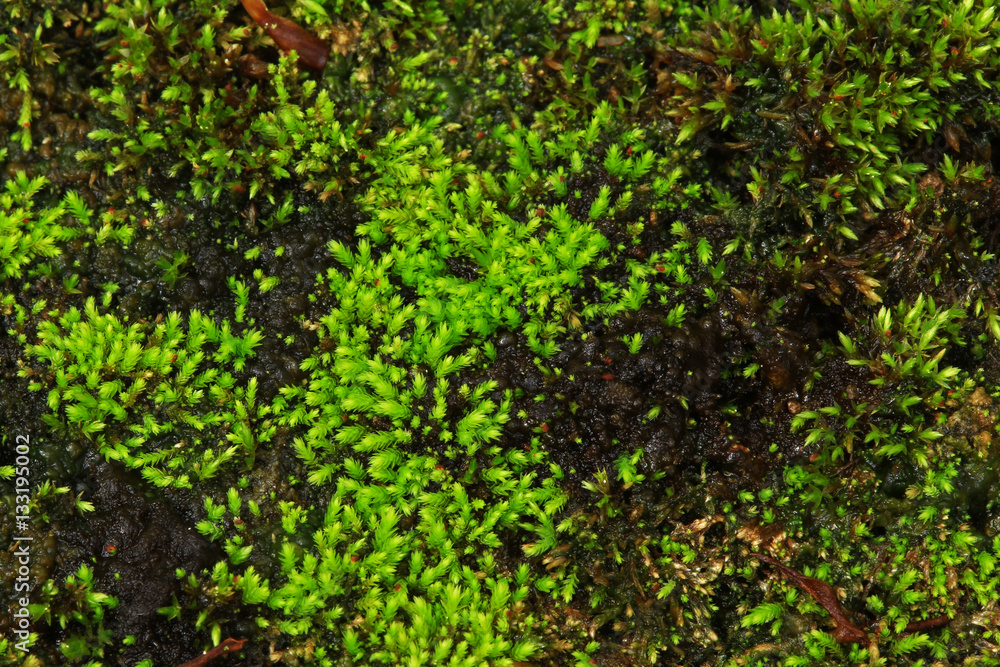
(559, 333)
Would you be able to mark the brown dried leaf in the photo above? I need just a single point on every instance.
(846, 632)
(610, 40)
(228, 646)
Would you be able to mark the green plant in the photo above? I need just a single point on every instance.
(172, 268)
(850, 104)
(142, 391)
(79, 610)
(908, 343)
(26, 234)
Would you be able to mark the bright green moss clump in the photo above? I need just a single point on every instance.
(512, 338)
(28, 234)
(147, 394)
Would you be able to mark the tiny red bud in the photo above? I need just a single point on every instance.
(480, 135)
(545, 428)
(608, 376)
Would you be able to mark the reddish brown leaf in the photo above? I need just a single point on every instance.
(288, 35)
(927, 624)
(228, 645)
(826, 596)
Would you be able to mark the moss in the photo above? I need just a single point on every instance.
(572, 333)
